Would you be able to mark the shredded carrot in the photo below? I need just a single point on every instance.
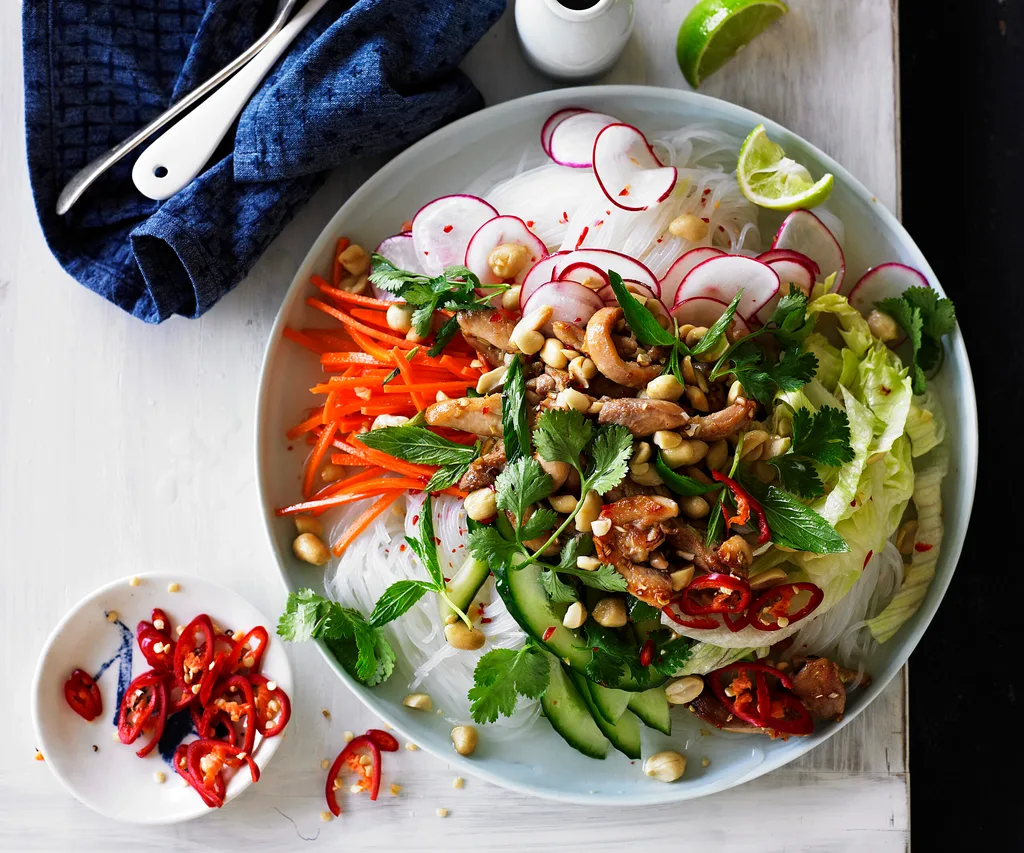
(320, 506)
(369, 379)
(355, 326)
(372, 347)
(364, 521)
(334, 339)
(316, 457)
(348, 459)
(352, 298)
(336, 266)
(446, 387)
(399, 407)
(371, 316)
(305, 426)
(406, 370)
(334, 360)
(304, 340)
(344, 407)
(385, 460)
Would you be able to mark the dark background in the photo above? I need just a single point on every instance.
(962, 84)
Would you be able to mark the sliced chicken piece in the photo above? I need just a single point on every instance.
(488, 332)
(687, 541)
(720, 424)
(820, 687)
(570, 334)
(484, 470)
(710, 710)
(635, 531)
(551, 381)
(478, 415)
(600, 346)
(643, 417)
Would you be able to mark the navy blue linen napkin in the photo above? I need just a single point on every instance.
(364, 78)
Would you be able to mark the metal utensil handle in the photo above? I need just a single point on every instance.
(88, 175)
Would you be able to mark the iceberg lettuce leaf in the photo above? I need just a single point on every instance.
(926, 427)
(886, 390)
(853, 327)
(830, 362)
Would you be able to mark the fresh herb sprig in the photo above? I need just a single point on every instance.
(760, 376)
(456, 289)
(419, 445)
(793, 524)
(821, 438)
(402, 595)
(926, 319)
(359, 645)
(502, 676)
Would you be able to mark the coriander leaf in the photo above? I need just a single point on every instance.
(794, 525)
(824, 436)
(303, 616)
(718, 328)
(490, 547)
(574, 548)
(680, 483)
(396, 600)
(540, 522)
(347, 629)
(641, 322)
(458, 271)
(423, 317)
(789, 322)
(609, 458)
(515, 427)
(557, 590)
(604, 577)
(521, 484)
(426, 547)
(611, 655)
(501, 676)
(794, 370)
(446, 475)
(797, 474)
(760, 378)
(746, 359)
(641, 611)
(418, 445)
(561, 435)
(371, 664)
(386, 275)
(926, 319)
(671, 651)
(444, 336)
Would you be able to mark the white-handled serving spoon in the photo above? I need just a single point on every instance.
(173, 161)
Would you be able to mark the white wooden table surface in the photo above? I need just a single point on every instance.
(125, 447)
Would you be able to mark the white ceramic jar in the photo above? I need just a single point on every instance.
(573, 39)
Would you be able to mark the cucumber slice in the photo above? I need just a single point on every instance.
(653, 709)
(569, 714)
(624, 734)
(526, 600)
(462, 588)
(611, 704)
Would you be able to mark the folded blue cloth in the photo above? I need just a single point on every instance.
(361, 79)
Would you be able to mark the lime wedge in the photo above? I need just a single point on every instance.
(771, 179)
(716, 30)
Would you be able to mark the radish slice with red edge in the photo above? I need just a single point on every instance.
(704, 310)
(399, 250)
(723, 277)
(677, 272)
(882, 282)
(789, 255)
(496, 232)
(551, 267)
(570, 302)
(804, 232)
(790, 273)
(572, 139)
(583, 272)
(442, 228)
(555, 119)
(609, 298)
(628, 170)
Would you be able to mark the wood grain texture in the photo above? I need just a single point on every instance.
(125, 447)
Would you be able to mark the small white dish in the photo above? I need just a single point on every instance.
(87, 758)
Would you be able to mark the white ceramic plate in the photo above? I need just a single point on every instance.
(88, 759)
(471, 155)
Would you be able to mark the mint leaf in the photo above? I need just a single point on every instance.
(641, 322)
(418, 445)
(561, 435)
(609, 458)
(521, 484)
(425, 548)
(446, 476)
(515, 427)
(396, 600)
(501, 676)
(794, 525)
(718, 328)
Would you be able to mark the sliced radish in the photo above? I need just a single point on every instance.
(545, 270)
(677, 272)
(442, 228)
(496, 232)
(572, 139)
(627, 267)
(570, 302)
(882, 282)
(789, 273)
(545, 198)
(805, 233)
(789, 255)
(583, 272)
(608, 295)
(723, 277)
(553, 121)
(628, 170)
(704, 310)
(400, 252)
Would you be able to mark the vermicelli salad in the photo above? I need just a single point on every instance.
(591, 448)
